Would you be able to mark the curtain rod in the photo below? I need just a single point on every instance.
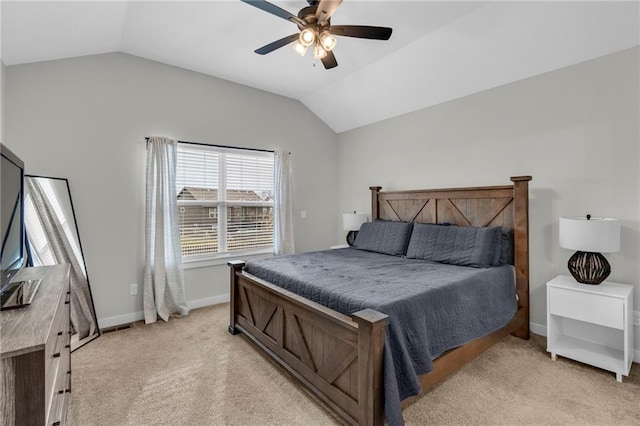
(222, 146)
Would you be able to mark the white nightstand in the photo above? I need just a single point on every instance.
(339, 246)
(591, 323)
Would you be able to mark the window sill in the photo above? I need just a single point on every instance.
(222, 259)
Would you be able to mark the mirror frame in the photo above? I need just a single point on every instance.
(75, 222)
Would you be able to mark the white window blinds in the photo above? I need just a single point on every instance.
(225, 200)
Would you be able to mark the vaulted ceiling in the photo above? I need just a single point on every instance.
(439, 50)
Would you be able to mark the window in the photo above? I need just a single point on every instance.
(225, 201)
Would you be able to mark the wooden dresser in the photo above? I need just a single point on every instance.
(35, 353)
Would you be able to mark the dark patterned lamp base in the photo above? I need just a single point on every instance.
(351, 237)
(589, 268)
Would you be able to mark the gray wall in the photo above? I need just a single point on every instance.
(86, 118)
(575, 130)
(2, 74)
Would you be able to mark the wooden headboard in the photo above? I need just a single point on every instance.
(506, 206)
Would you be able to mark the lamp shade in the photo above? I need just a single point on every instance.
(353, 221)
(597, 235)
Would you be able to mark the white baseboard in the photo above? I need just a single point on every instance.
(139, 316)
(120, 319)
(208, 301)
(538, 329)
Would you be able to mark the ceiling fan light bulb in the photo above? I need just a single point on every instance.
(328, 41)
(299, 48)
(307, 37)
(319, 52)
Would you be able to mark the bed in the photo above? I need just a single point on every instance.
(339, 354)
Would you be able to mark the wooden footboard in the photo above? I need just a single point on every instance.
(338, 358)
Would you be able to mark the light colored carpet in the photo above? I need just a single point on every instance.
(191, 371)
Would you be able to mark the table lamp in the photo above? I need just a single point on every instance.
(352, 222)
(590, 237)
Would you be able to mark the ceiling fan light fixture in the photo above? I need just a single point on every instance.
(328, 41)
(300, 48)
(307, 37)
(315, 30)
(319, 52)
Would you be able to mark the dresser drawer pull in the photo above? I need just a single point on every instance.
(56, 355)
(66, 302)
(67, 346)
(55, 424)
(60, 333)
(61, 391)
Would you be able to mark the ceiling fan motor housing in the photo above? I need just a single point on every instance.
(308, 15)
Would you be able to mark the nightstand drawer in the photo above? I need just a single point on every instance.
(589, 307)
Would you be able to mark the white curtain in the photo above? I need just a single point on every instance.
(283, 205)
(163, 279)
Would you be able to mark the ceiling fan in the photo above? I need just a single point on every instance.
(316, 31)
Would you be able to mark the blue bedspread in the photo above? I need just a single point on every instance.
(432, 307)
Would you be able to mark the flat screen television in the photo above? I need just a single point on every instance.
(12, 251)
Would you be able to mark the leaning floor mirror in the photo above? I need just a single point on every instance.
(52, 233)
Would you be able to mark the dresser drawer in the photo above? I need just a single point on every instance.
(62, 388)
(57, 351)
(59, 328)
(593, 308)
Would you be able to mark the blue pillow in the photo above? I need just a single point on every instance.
(506, 247)
(456, 245)
(384, 236)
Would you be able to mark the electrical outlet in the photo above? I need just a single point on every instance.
(133, 289)
(636, 318)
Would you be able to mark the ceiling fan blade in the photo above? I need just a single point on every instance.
(277, 44)
(329, 61)
(274, 10)
(361, 31)
(325, 9)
